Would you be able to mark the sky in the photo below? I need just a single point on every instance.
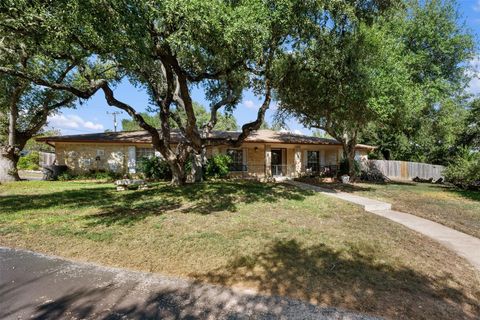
(93, 115)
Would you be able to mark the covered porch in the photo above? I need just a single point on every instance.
(257, 160)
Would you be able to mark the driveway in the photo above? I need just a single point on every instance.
(42, 287)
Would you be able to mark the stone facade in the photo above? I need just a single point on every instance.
(85, 157)
(257, 157)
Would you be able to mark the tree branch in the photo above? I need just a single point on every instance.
(213, 75)
(255, 125)
(84, 94)
(208, 127)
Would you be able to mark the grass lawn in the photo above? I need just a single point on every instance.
(273, 238)
(455, 208)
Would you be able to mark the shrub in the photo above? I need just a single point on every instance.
(218, 166)
(104, 175)
(464, 171)
(29, 162)
(154, 168)
(343, 169)
(93, 175)
(66, 176)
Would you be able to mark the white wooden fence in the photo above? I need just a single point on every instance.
(407, 170)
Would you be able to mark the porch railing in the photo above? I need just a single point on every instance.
(261, 169)
(321, 170)
(238, 168)
(284, 170)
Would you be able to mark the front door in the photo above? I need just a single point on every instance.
(277, 162)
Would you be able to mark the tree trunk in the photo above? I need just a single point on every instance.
(351, 166)
(197, 167)
(349, 145)
(349, 152)
(179, 177)
(8, 165)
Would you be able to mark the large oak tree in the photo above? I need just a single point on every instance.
(439, 48)
(24, 108)
(165, 47)
(386, 69)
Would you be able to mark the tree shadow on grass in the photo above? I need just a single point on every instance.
(130, 214)
(349, 280)
(128, 207)
(68, 199)
(466, 194)
(336, 186)
(208, 197)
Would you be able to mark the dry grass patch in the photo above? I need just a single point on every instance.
(274, 238)
(456, 208)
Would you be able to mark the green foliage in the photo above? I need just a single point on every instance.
(33, 145)
(437, 49)
(465, 170)
(169, 48)
(94, 175)
(66, 176)
(225, 122)
(131, 125)
(29, 162)
(154, 168)
(218, 166)
(470, 137)
(343, 78)
(431, 136)
(321, 134)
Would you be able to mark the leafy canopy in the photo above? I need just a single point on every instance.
(225, 122)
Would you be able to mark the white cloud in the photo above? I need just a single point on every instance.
(296, 131)
(476, 6)
(474, 85)
(72, 121)
(249, 104)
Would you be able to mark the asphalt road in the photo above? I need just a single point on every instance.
(35, 286)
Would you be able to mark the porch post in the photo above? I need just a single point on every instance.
(268, 161)
(244, 161)
(340, 155)
(322, 157)
(298, 161)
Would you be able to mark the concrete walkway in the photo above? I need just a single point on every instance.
(35, 286)
(461, 243)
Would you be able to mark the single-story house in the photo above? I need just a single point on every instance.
(264, 153)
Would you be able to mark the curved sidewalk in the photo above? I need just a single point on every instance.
(461, 243)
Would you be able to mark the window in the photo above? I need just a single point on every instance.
(144, 153)
(313, 160)
(237, 159)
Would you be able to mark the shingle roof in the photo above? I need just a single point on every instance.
(259, 136)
